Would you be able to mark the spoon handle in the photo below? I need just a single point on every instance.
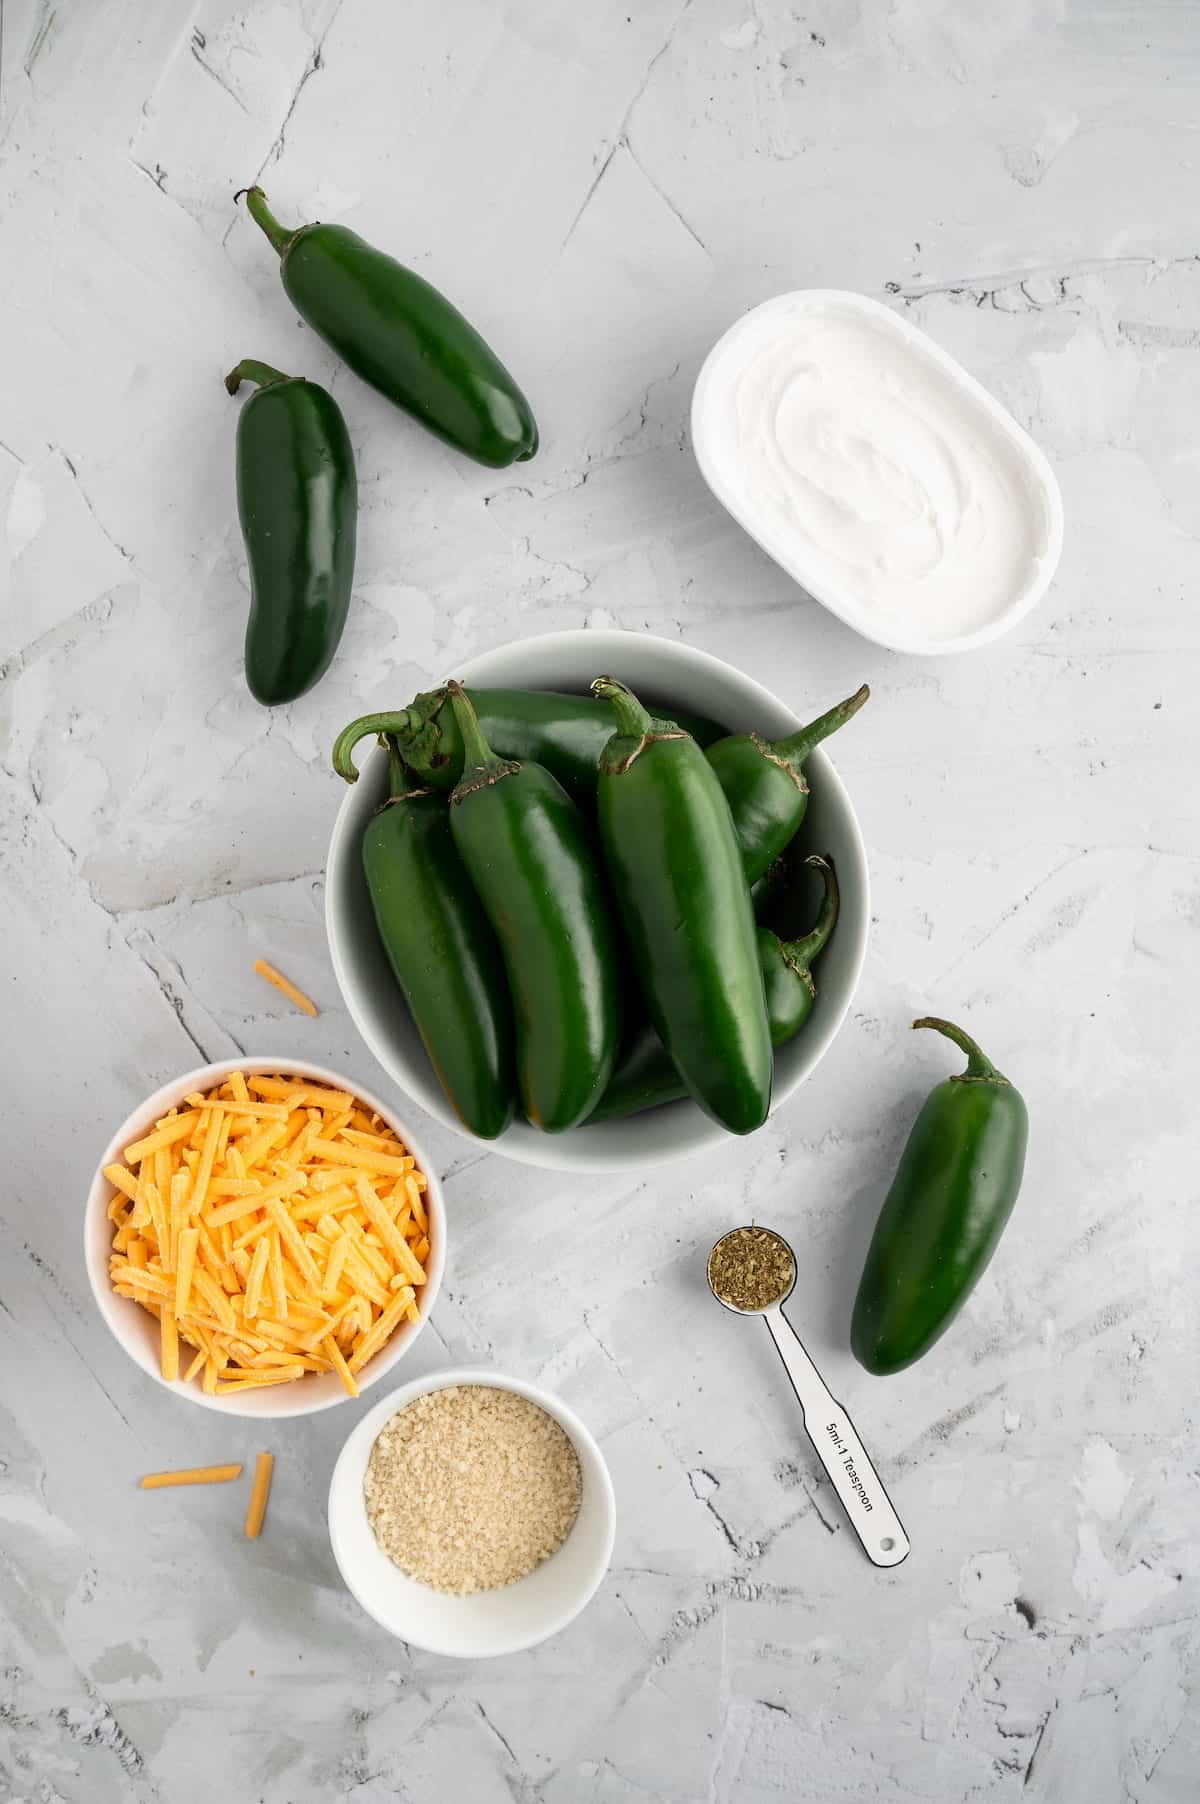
(840, 1451)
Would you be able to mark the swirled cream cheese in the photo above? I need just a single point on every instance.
(860, 455)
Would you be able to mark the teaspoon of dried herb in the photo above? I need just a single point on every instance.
(751, 1269)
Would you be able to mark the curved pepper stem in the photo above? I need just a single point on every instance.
(250, 370)
(978, 1063)
(633, 722)
(403, 720)
(256, 205)
(477, 753)
(802, 952)
(797, 746)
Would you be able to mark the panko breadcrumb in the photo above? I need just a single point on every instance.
(470, 1487)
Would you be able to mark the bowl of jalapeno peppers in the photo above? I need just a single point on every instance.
(600, 902)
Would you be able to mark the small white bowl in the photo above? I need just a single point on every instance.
(137, 1330)
(713, 441)
(487, 1622)
(671, 675)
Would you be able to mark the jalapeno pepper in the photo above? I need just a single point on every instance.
(404, 338)
(442, 950)
(530, 857)
(675, 866)
(953, 1192)
(781, 895)
(298, 504)
(765, 785)
(566, 733)
(787, 964)
(645, 1075)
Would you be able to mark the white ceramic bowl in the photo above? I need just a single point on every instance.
(137, 1330)
(488, 1622)
(669, 674)
(714, 436)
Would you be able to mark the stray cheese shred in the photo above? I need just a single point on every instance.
(285, 988)
(263, 1469)
(193, 1475)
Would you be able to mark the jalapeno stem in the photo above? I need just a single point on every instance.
(802, 952)
(256, 205)
(477, 753)
(250, 370)
(978, 1063)
(797, 746)
(404, 720)
(633, 721)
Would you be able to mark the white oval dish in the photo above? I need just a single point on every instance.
(670, 674)
(488, 1622)
(136, 1329)
(978, 423)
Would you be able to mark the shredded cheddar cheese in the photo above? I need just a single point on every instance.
(261, 1490)
(284, 987)
(194, 1475)
(275, 1227)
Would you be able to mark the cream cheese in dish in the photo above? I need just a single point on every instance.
(877, 471)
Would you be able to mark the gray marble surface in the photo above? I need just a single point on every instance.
(603, 187)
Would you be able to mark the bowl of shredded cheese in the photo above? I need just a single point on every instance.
(263, 1238)
(472, 1514)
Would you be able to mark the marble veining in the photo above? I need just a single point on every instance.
(603, 188)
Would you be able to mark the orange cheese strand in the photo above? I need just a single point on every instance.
(287, 989)
(261, 1490)
(192, 1475)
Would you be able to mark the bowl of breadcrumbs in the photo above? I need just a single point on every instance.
(471, 1514)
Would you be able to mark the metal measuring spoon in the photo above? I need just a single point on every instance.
(826, 1423)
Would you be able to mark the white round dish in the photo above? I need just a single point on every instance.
(137, 1331)
(669, 674)
(983, 420)
(488, 1622)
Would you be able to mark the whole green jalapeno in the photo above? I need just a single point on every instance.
(298, 505)
(950, 1199)
(566, 733)
(645, 1075)
(530, 857)
(787, 964)
(765, 785)
(443, 951)
(781, 895)
(676, 870)
(403, 337)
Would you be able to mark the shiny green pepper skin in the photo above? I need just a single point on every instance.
(765, 785)
(566, 733)
(531, 859)
(952, 1195)
(399, 334)
(443, 952)
(646, 1077)
(676, 872)
(298, 505)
